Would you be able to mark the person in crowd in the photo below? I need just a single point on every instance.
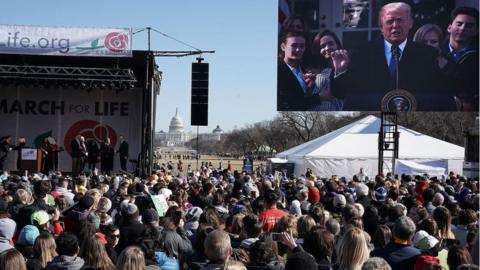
(12, 259)
(399, 253)
(44, 250)
(112, 234)
(376, 263)
(444, 221)
(418, 72)
(466, 218)
(217, 247)
(106, 157)
(123, 151)
(271, 215)
(457, 256)
(5, 148)
(174, 236)
(131, 258)
(80, 212)
(67, 258)
(352, 250)
(26, 240)
(462, 48)
(7, 227)
(94, 253)
(131, 228)
(321, 244)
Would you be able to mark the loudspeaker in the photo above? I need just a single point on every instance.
(199, 108)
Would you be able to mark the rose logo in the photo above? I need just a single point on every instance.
(91, 130)
(116, 42)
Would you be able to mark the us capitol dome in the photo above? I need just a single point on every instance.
(177, 136)
(176, 124)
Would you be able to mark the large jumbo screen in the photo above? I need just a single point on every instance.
(374, 55)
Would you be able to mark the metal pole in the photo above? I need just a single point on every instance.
(198, 155)
(148, 31)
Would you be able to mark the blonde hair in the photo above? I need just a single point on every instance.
(23, 196)
(95, 255)
(304, 225)
(235, 265)
(12, 259)
(352, 250)
(96, 195)
(131, 258)
(422, 32)
(44, 249)
(287, 223)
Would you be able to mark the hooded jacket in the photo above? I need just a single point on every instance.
(7, 229)
(64, 262)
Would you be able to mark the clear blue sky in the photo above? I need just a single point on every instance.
(243, 35)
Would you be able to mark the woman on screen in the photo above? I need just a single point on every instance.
(323, 46)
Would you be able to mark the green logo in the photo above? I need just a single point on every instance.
(93, 46)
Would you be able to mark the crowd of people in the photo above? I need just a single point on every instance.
(219, 219)
(424, 70)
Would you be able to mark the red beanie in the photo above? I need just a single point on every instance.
(313, 195)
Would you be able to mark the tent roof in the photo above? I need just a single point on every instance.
(360, 140)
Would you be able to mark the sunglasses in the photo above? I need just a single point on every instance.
(114, 236)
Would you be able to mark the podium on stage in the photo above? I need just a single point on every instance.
(30, 160)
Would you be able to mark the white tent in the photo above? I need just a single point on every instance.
(344, 151)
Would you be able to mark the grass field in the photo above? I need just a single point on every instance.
(237, 164)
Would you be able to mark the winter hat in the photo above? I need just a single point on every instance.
(305, 206)
(40, 217)
(313, 194)
(28, 235)
(295, 208)
(149, 216)
(94, 219)
(381, 194)
(194, 213)
(301, 260)
(85, 202)
(7, 228)
(352, 191)
(104, 205)
(130, 209)
(361, 189)
(238, 208)
(339, 200)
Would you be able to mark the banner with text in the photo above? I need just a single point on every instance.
(36, 113)
(65, 41)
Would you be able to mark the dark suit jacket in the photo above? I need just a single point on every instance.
(78, 149)
(367, 79)
(399, 257)
(123, 149)
(467, 71)
(290, 95)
